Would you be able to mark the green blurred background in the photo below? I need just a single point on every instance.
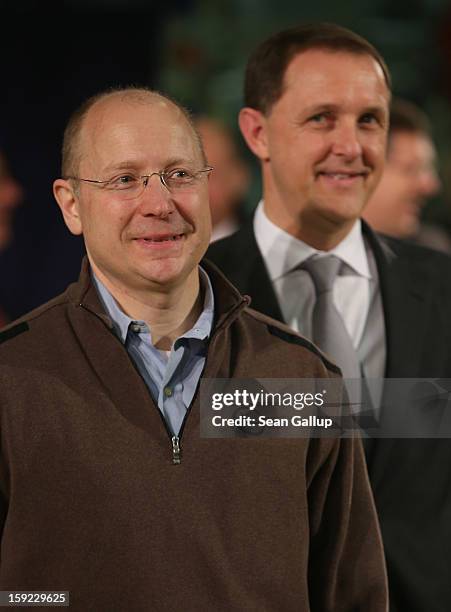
(56, 53)
(204, 53)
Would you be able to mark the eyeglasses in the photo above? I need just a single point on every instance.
(130, 185)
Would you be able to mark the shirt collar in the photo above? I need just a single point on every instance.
(283, 252)
(201, 329)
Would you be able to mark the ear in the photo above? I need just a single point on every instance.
(253, 127)
(68, 201)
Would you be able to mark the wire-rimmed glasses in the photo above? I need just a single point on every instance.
(130, 185)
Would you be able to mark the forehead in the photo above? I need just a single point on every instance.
(407, 146)
(325, 77)
(146, 134)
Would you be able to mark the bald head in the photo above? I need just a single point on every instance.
(89, 116)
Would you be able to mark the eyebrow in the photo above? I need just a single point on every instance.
(325, 108)
(131, 164)
(319, 108)
(376, 110)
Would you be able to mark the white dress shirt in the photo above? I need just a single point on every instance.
(283, 254)
(356, 291)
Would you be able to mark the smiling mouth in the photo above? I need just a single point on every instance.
(342, 176)
(161, 239)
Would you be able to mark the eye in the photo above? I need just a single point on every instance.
(323, 119)
(369, 119)
(179, 176)
(318, 117)
(124, 181)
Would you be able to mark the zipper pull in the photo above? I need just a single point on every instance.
(176, 451)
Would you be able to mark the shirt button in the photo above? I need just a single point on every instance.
(136, 328)
(168, 391)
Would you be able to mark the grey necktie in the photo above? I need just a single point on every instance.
(328, 328)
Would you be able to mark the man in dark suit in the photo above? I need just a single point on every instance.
(316, 115)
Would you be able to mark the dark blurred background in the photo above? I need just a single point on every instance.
(55, 54)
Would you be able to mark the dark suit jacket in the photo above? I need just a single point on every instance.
(411, 479)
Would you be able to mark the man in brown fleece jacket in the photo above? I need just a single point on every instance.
(107, 489)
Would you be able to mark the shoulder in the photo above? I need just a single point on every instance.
(415, 252)
(408, 253)
(424, 270)
(33, 326)
(427, 269)
(282, 347)
(13, 330)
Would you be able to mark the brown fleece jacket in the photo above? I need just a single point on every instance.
(92, 503)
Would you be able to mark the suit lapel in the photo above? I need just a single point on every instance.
(404, 293)
(403, 290)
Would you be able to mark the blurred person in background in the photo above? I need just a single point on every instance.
(10, 197)
(229, 182)
(410, 178)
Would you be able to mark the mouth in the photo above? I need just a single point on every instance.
(342, 178)
(414, 208)
(161, 238)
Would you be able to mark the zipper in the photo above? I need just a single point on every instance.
(176, 450)
(175, 440)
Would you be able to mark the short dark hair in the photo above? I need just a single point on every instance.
(266, 67)
(405, 116)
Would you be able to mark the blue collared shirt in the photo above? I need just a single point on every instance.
(172, 377)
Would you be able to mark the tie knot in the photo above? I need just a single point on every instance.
(323, 271)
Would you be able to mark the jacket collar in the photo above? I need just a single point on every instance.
(228, 300)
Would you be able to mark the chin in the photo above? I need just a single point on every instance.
(163, 273)
(341, 217)
(408, 229)
(340, 209)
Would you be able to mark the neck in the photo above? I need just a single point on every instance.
(169, 313)
(318, 231)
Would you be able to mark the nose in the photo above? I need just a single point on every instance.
(429, 182)
(345, 140)
(156, 199)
